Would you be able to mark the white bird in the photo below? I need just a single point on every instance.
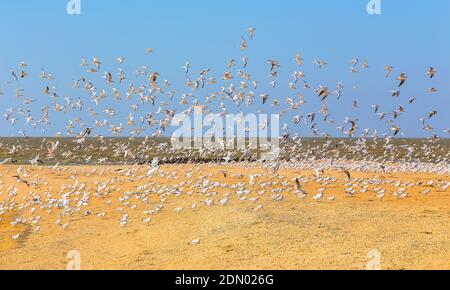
(251, 32)
(319, 196)
(195, 241)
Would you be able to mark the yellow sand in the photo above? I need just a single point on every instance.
(410, 233)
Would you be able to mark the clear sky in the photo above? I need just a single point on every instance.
(410, 35)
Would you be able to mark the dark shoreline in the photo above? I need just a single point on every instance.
(141, 151)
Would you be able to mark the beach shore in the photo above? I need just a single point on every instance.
(250, 231)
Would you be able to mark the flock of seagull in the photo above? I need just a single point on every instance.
(236, 88)
(139, 194)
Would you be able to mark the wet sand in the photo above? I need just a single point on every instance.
(409, 233)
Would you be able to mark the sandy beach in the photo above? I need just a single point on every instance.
(251, 230)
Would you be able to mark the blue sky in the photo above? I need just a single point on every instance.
(410, 35)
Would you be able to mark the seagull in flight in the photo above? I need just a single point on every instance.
(431, 72)
(251, 32)
(402, 79)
